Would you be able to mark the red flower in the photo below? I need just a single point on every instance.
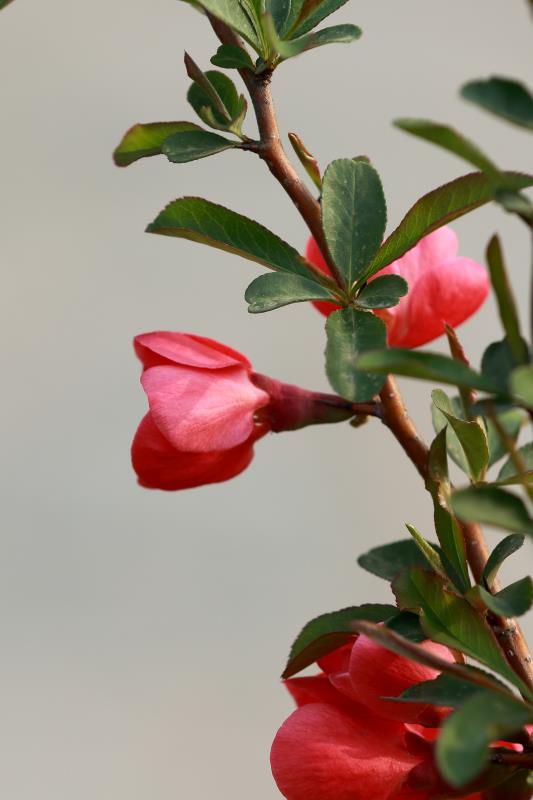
(346, 743)
(443, 288)
(207, 410)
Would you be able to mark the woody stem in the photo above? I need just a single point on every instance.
(392, 408)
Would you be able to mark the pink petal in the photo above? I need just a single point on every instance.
(160, 466)
(201, 410)
(322, 753)
(339, 659)
(376, 673)
(318, 689)
(433, 249)
(164, 347)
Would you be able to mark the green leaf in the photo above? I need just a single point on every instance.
(4, 3)
(511, 421)
(451, 540)
(337, 34)
(191, 145)
(454, 142)
(407, 625)
(271, 291)
(521, 380)
(446, 691)
(497, 364)
(428, 551)
(208, 223)
(350, 333)
(503, 550)
(354, 215)
(230, 56)
(506, 302)
(217, 102)
(438, 208)
(504, 97)
(146, 140)
(509, 472)
(470, 435)
(389, 560)
(513, 601)
(239, 15)
(440, 423)
(312, 14)
(425, 366)
(307, 160)
(449, 619)
(492, 506)
(463, 745)
(383, 292)
(330, 631)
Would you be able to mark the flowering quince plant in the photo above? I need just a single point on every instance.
(431, 697)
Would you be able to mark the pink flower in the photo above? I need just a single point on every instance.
(444, 288)
(207, 408)
(344, 742)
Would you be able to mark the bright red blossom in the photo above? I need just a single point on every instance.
(444, 288)
(346, 743)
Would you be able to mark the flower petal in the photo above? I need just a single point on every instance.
(164, 347)
(201, 410)
(376, 672)
(322, 753)
(319, 689)
(160, 466)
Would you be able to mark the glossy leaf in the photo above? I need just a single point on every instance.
(146, 140)
(504, 97)
(429, 552)
(239, 15)
(354, 215)
(337, 34)
(470, 435)
(494, 506)
(438, 208)
(521, 381)
(463, 745)
(453, 141)
(424, 365)
(446, 691)
(201, 221)
(350, 333)
(383, 292)
(506, 302)
(449, 619)
(501, 552)
(389, 560)
(312, 14)
(230, 56)
(513, 601)
(330, 631)
(451, 541)
(407, 625)
(272, 291)
(191, 145)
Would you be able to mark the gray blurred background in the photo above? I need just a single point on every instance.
(143, 633)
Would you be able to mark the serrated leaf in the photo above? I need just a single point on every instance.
(453, 141)
(449, 619)
(350, 333)
(312, 14)
(438, 208)
(513, 601)
(329, 631)
(383, 292)
(463, 745)
(354, 215)
(271, 291)
(407, 625)
(231, 56)
(521, 381)
(470, 435)
(191, 145)
(425, 366)
(508, 472)
(504, 97)
(146, 139)
(502, 551)
(208, 223)
(389, 560)
(446, 691)
(494, 506)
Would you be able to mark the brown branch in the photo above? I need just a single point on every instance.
(524, 760)
(392, 408)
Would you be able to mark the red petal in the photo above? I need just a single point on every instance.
(313, 254)
(201, 410)
(322, 753)
(376, 673)
(318, 689)
(338, 660)
(164, 347)
(160, 466)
